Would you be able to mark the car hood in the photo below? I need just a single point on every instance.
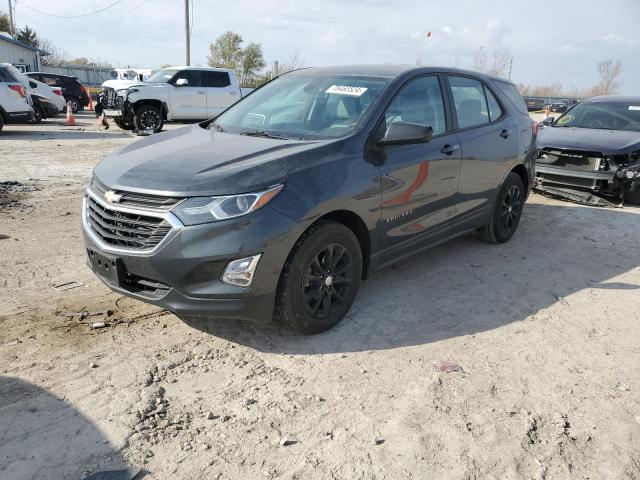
(609, 142)
(195, 161)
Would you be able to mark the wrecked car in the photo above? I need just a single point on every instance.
(594, 147)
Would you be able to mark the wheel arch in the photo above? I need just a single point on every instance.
(154, 103)
(521, 170)
(353, 222)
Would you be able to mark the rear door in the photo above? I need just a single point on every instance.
(221, 93)
(489, 143)
(189, 101)
(418, 182)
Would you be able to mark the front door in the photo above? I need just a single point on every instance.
(188, 101)
(419, 181)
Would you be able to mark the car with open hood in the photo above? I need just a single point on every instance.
(281, 206)
(594, 147)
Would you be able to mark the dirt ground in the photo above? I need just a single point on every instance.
(545, 329)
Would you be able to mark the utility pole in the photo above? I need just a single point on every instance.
(510, 67)
(186, 32)
(12, 26)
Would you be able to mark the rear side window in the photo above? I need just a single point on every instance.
(495, 112)
(216, 79)
(470, 102)
(51, 81)
(6, 76)
(511, 92)
(420, 101)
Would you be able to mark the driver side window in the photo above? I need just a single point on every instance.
(194, 77)
(419, 101)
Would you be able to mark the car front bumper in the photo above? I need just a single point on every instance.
(183, 272)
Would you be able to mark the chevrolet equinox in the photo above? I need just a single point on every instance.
(284, 203)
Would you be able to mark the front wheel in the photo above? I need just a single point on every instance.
(320, 279)
(632, 198)
(507, 211)
(148, 119)
(122, 124)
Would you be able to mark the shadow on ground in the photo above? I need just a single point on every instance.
(466, 286)
(44, 437)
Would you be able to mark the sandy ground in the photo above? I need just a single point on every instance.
(545, 329)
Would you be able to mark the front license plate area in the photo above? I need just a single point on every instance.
(108, 267)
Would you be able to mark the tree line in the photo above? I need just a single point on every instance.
(499, 61)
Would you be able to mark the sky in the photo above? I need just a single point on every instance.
(549, 40)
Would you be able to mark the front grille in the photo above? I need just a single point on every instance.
(139, 200)
(571, 159)
(111, 100)
(126, 230)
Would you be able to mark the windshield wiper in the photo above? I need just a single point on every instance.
(263, 133)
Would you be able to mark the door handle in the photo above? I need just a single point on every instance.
(505, 133)
(449, 149)
(201, 93)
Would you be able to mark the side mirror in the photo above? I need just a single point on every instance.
(547, 121)
(182, 82)
(405, 133)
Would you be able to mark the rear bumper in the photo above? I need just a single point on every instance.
(19, 117)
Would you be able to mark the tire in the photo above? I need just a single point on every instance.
(148, 119)
(75, 104)
(312, 295)
(1, 122)
(38, 114)
(507, 211)
(631, 198)
(122, 124)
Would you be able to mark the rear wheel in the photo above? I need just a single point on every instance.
(75, 104)
(38, 114)
(148, 119)
(320, 279)
(507, 211)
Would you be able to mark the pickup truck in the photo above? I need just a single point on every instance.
(175, 93)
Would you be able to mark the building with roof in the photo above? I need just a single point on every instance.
(22, 55)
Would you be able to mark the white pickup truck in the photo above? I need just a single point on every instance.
(175, 93)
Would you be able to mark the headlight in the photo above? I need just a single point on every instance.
(210, 209)
(122, 93)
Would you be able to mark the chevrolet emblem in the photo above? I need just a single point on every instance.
(112, 197)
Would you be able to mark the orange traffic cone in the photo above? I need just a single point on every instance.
(90, 100)
(70, 120)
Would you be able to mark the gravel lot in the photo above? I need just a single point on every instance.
(545, 329)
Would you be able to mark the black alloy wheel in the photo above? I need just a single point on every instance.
(327, 281)
(511, 209)
(320, 278)
(148, 119)
(507, 211)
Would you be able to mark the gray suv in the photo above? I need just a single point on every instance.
(284, 203)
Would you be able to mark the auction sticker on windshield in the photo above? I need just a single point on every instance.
(634, 107)
(346, 90)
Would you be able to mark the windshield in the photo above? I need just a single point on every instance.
(303, 106)
(603, 115)
(163, 76)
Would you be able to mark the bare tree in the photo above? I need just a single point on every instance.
(500, 59)
(54, 55)
(480, 59)
(294, 62)
(609, 72)
(5, 25)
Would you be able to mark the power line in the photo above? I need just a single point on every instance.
(71, 16)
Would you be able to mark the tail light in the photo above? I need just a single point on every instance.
(57, 91)
(20, 89)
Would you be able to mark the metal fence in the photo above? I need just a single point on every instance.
(92, 76)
